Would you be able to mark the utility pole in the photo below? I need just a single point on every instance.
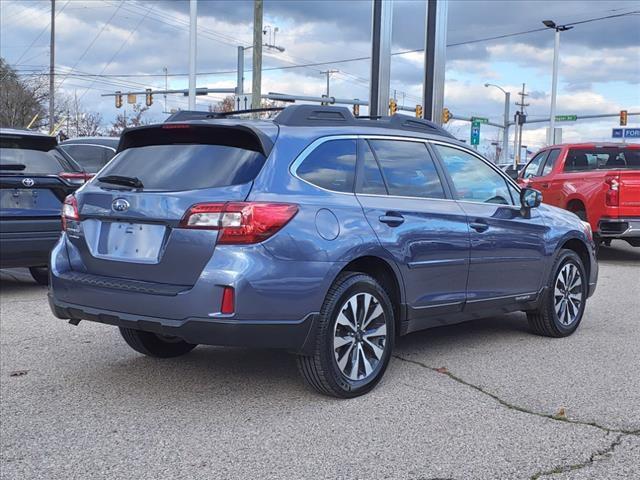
(193, 43)
(166, 87)
(328, 74)
(240, 72)
(520, 122)
(52, 61)
(256, 90)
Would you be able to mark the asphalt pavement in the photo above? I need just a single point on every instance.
(480, 400)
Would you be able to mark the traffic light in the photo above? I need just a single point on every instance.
(623, 118)
(149, 97)
(393, 106)
(446, 115)
(118, 99)
(418, 111)
(356, 110)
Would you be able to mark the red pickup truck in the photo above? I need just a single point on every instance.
(598, 182)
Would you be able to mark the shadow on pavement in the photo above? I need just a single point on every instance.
(619, 252)
(16, 280)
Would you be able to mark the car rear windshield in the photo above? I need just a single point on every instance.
(602, 158)
(28, 162)
(186, 166)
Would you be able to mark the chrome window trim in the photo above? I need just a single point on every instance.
(319, 141)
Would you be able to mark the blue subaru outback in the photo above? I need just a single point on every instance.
(316, 232)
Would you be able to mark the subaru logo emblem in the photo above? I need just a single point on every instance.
(28, 182)
(120, 205)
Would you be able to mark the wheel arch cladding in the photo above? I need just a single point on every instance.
(581, 249)
(385, 275)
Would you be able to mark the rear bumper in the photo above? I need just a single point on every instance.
(293, 335)
(619, 228)
(27, 243)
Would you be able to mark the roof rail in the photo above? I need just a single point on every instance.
(332, 116)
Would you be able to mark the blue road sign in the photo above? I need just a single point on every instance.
(617, 133)
(632, 133)
(475, 133)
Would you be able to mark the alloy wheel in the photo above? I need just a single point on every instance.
(360, 336)
(567, 295)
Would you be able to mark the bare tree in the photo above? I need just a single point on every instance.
(135, 119)
(21, 100)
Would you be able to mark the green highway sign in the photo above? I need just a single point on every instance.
(475, 133)
(566, 118)
(479, 119)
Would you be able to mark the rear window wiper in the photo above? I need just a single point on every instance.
(15, 167)
(122, 180)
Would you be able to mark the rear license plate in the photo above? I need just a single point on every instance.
(125, 241)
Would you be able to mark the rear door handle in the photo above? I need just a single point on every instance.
(545, 185)
(479, 226)
(393, 220)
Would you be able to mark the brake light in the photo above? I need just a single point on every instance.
(240, 222)
(612, 197)
(171, 126)
(228, 301)
(69, 211)
(76, 178)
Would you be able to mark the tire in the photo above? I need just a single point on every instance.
(582, 215)
(40, 275)
(155, 345)
(550, 321)
(365, 350)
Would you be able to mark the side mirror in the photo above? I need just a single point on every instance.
(530, 198)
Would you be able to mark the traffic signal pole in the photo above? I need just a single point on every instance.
(193, 12)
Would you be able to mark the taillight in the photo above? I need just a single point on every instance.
(69, 211)
(612, 197)
(240, 222)
(75, 177)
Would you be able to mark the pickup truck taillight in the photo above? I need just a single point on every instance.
(69, 211)
(612, 197)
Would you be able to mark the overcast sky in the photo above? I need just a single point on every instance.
(599, 62)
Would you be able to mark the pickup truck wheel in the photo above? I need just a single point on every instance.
(354, 338)
(563, 301)
(40, 275)
(154, 345)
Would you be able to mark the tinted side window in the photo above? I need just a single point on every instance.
(551, 161)
(531, 170)
(372, 181)
(473, 179)
(408, 168)
(331, 165)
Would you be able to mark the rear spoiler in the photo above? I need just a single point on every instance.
(42, 143)
(233, 135)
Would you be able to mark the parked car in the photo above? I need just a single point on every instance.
(33, 186)
(600, 183)
(316, 232)
(91, 153)
(512, 170)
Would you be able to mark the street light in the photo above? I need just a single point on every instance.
(241, 50)
(554, 83)
(505, 136)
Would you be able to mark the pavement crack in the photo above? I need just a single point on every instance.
(601, 454)
(512, 406)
